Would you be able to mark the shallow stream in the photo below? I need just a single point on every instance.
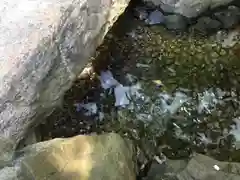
(182, 89)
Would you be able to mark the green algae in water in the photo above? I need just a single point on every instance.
(201, 69)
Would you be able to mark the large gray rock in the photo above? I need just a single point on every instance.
(9, 173)
(44, 44)
(188, 8)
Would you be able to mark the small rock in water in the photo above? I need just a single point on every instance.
(140, 65)
(175, 22)
(229, 17)
(158, 83)
(216, 167)
(206, 24)
(155, 17)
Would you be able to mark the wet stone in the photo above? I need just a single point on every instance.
(206, 24)
(175, 22)
(155, 17)
(167, 170)
(229, 17)
(214, 55)
(223, 52)
(156, 171)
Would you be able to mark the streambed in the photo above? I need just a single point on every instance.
(183, 91)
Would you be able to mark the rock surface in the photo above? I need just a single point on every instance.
(188, 8)
(175, 22)
(206, 168)
(198, 167)
(155, 17)
(92, 157)
(9, 173)
(206, 24)
(229, 17)
(44, 44)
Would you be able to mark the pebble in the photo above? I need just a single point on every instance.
(214, 55)
(155, 17)
(175, 22)
(229, 17)
(223, 52)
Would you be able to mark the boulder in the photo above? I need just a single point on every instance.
(188, 8)
(205, 168)
(198, 167)
(92, 157)
(206, 24)
(44, 44)
(9, 173)
(229, 17)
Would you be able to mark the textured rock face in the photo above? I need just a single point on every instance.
(43, 45)
(9, 173)
(188, 8)
(198, 167)
(107, 157)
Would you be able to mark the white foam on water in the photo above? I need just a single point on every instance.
(90, 108)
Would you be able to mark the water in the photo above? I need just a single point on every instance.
(189, 96)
